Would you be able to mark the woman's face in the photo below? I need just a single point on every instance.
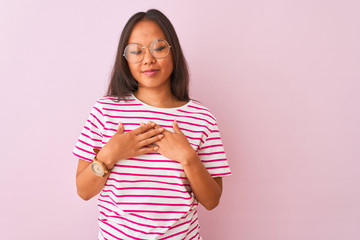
(150, 72)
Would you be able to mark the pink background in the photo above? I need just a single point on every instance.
(281, 76)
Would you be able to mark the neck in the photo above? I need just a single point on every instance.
(156, 97)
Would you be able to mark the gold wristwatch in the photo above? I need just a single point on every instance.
(97, 167)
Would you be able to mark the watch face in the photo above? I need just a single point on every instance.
(97, 169)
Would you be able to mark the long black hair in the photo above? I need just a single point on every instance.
(122, 82)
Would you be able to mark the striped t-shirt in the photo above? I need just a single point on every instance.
(148, 196)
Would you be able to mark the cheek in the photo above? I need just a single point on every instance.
(168, 65)
(133, 70)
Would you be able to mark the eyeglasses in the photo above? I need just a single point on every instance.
(134, 53)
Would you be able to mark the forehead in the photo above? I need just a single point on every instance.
(145, 32)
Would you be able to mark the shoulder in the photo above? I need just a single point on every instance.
(199, 108)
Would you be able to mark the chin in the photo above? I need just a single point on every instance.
(152, 83)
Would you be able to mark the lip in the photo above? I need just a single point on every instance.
(150, 72)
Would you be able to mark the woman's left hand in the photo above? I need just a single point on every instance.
(175, 145)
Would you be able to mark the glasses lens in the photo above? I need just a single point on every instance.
(133, 53)
(159, 48)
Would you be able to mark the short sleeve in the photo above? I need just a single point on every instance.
(212, 154)
(91, 135)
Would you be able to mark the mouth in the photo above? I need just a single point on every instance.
(150, 72)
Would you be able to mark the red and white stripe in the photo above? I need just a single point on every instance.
(149, 196)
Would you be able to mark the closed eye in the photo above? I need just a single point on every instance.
(159, 48)
(135, 52)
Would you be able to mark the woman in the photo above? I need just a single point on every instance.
(150, 151)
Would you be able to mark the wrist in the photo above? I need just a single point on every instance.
(190, 158)
(102, 157)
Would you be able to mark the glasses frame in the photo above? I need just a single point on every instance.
(150, 49)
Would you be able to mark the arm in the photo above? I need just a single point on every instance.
(87, 183)
(120, 146)
(206, 189)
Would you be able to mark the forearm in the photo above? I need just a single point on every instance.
(88, 184)
(120, 146)
(206, 190)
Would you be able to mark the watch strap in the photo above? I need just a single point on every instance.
(106, 170)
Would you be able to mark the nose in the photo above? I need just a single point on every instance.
(148, 57)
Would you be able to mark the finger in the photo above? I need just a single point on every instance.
(142, 124)
(154, 144)
(120, 128)
(145, 150)
(163, 131)
(156, 125)
(160, 127)
(143, 128)
(176, 127)
(150, 133)
(149, 141)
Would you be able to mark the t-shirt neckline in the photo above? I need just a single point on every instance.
(158, 108)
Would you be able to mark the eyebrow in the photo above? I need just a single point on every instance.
(147, 44)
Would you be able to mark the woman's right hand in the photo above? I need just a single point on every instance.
(130, 144)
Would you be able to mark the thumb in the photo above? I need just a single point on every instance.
(176, 127)
(120, 128)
